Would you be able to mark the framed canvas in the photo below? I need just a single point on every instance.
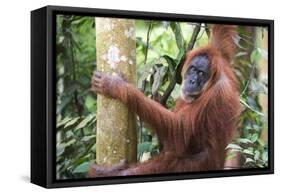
(126, 96)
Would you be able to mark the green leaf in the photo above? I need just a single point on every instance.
(144, 147)
(256, 128)
(70, 142)
(69, 134)
(178, 34)
(71, 122)
(158, 78)
(237, 40)
(243, 140)
(90, 103)
(88, 137)
(84, 122)
(93, 148)
(254, 137)
(249, 160)
(82, 168)
(249, 107)
(265, 156)
(233, 146)
(248, 151)
(239, 54)
(171, 62)
(63, 122)
(60, 149)
(255, 55)
(257, 154)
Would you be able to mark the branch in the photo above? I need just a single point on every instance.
(146, 51)
(147, 41)
(177, 78)
(194, 37)
(207, 30)
(144, 81)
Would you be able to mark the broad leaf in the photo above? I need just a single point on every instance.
(82, 168)
(233, 146)
(178, 34)
(85, 121)
(71, 122)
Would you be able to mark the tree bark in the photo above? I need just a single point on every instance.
(116, 125)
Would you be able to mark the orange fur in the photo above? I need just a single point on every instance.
(194, 135)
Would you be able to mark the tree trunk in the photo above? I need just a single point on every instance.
(116, 125)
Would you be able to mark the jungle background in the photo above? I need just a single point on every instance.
(160, 47)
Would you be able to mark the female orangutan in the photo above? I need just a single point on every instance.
(193, 136)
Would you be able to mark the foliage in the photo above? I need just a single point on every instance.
(252, 144)
(160, 48)
(76, 105)
(75, 150)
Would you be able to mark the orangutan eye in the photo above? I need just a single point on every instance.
(192, 69)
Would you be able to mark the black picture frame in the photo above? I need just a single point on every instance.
(43, 98)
